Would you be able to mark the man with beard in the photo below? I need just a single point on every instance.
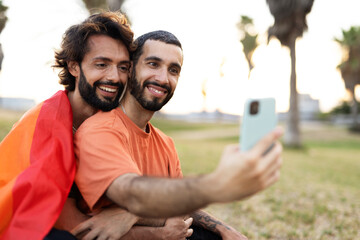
(123, 159)
(37, 164)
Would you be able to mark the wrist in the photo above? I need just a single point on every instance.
(160, 233)
(211, 188)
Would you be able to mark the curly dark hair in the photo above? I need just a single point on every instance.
(74, 45)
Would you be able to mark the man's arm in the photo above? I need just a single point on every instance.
(206, 221)
(175, 228)
(116, 223)
(109, 224)
(239, 175)
(70, 216)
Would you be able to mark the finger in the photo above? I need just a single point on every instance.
(92, 234)
(275, 169)
(266, 141)
(265, 144)
(102, 236)
(272, 160)
(84, 226)
(185, 217)
(232, 148)
(189, 232)
(188, 222)
(274, 177)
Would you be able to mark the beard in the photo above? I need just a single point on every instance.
(88, 93)
(138, 92)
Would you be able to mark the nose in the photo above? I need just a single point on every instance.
(162, 76)
(113, 74)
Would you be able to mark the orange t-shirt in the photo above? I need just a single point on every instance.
(109, 144)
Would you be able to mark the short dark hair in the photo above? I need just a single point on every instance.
(74, 45)
(159, 35)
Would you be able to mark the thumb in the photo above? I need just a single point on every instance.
(189, 232)
(188, 222)
(267, 141)
(82, 227)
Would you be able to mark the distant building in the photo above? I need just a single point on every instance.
(215, 116)
(16, 104)
(308, 107)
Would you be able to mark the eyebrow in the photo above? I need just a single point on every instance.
(160, 60)
(153, 58)
(110, 60)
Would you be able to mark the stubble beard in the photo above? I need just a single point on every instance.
(137, 91)
(88, 93)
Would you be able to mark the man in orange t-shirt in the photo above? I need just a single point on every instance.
(120, 155)
(147, 153)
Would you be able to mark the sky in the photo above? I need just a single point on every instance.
(213, 55)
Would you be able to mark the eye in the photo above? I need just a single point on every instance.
(153, 64)
(124, 68)
(174, 70)
(101, 65)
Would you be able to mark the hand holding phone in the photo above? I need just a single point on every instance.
(259, 119)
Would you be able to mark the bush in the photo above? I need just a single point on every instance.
(343, 108)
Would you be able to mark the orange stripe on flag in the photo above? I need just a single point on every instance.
(6, 200)
(37, 159)
(13, 164)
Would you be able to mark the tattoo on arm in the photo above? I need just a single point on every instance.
(206, 221)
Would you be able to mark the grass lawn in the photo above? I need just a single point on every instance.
(317, 196)
(7, 119)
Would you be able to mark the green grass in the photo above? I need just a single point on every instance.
(7, 120)
(317, 196)
(176, 126)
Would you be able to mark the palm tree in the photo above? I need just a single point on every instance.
(115, 5)
(290, 24)
(248, 39)
(350, 67)
(112, 5)
(3, 20)
(204, 93)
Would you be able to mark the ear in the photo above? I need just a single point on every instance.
(74, 68)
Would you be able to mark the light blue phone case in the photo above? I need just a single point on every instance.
(255, 126)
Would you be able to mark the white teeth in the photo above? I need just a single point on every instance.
(106, 89)
(157, 91)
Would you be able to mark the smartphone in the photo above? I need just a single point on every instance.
(259, 118)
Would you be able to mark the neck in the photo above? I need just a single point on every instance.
(80, 109)
(135, 111)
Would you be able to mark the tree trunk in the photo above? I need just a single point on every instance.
(1, 56)
(292, 133)
(354, 112)
(114, 5)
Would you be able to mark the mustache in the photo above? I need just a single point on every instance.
(119, 84)
(165, 86)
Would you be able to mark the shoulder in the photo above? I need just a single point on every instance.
(101, 121)
(54, 111)
(160, 134)
(58, 102)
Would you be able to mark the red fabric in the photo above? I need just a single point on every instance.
(40, 185)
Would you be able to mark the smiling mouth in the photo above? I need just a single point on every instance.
(107, 89)
(157, 91)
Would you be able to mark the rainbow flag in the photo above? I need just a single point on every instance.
(37, 168)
